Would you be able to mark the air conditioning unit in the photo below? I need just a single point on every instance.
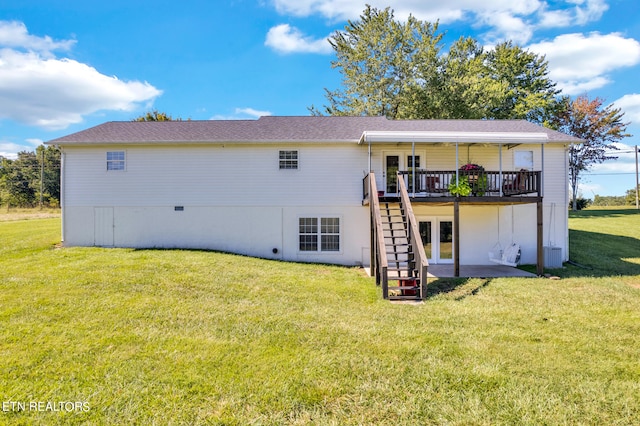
(552, 257)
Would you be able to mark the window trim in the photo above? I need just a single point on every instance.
(317, 235)
(112, 161)
(284, 162)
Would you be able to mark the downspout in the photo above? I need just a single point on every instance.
(542, 177)
(500, 169)
(63, 169)
(369, 141)
(457, 165)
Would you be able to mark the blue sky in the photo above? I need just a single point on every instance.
(66, 65)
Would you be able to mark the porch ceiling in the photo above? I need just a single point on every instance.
(453, 137)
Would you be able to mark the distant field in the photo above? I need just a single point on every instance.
(121, 336)
(26, 214)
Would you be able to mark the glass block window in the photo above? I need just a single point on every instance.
(115, 160)
(288, 160)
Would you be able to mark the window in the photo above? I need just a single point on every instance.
(288, 160)
(523, 160)
(319, 234)
(115, 160)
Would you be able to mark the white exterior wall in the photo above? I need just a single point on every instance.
(235, 198)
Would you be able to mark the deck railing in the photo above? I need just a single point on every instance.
(426, 183)
(413, 231)
(379, 262)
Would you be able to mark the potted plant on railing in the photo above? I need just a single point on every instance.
(476, 178)
(459, 187)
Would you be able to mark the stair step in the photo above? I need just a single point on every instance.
(403, 287)
(416, 297)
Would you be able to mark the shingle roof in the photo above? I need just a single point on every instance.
(284, 129)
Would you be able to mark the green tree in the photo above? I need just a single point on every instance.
(155, 115)
(49, 164)
(382, 62)
(598, 126)
(398, 70)
(630, 197)
(18, 180)
(465, 87)
(524, 90)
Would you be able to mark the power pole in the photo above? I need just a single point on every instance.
(41, 178)
(637, 183)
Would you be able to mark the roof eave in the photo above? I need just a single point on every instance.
(454, 137)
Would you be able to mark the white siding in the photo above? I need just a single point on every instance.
(235, 175)
(234, 198)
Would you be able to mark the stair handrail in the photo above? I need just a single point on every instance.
(379, 262)
(415, 240)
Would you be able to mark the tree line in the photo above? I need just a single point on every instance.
(32, 179)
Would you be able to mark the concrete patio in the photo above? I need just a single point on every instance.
(477, 271)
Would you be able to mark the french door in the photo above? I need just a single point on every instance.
(437, 237)
(394, 162)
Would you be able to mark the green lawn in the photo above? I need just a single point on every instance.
(194, 337)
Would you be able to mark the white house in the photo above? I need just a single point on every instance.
(297, 188)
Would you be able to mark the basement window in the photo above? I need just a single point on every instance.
(319, 234)
(288, 160)
(115, 160)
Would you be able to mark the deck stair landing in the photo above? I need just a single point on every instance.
(400, 254)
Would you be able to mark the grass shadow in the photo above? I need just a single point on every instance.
(611, 213)
(601, 255)
(456, 288)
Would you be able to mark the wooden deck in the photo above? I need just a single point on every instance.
(486, 187)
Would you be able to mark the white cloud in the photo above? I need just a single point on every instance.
(506, 26)
(10, 149)
(579, 63)
(242, 114)
(504, 19)
(287, 39)
(15, 35)
(253, 112)
(38, 89)
(630, 105)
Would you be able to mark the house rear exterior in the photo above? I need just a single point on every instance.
(296, 188)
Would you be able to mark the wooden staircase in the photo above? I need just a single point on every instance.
(400, 254)
(397, 253)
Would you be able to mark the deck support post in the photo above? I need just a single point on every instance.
(456, 238)
(540, 252)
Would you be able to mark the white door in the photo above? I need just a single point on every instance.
(391, 167)
(103, 226)
(400, 161)
(437, 237)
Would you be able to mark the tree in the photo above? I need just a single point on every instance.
(18, 179)
(155, 115)
(524, 89)
(599, 128)
(398, 70)
(49, 163)
(382, 62)
(630, 196)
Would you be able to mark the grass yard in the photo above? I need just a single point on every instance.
(119, 336)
